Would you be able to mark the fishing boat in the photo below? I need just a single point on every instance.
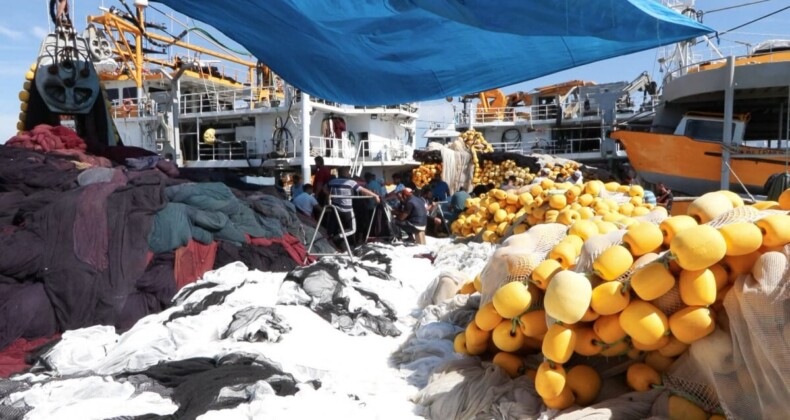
(568, 120)
(688, 148)
(203, 104)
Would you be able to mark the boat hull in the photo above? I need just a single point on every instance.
(694, 166)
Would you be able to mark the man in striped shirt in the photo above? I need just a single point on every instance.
(340, 189)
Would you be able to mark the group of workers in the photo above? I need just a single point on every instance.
(414, 211)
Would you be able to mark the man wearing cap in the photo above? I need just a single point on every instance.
(413, 217)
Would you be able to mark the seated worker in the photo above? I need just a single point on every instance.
(297, 186)
(457, 204)
(650, 197)
(436, 225)
(664, 196)
(341, 188)
(413, 217)
(439, 189)
(305, 202)
(393, 197)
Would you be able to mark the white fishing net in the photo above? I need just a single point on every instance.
(655, 217)
(743, 368)
(596, 245)
(457, 170)
(518, 256)
(742, 214)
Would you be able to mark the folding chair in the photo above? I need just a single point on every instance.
(440, 212)
(334, 209)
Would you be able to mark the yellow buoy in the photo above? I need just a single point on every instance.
(644, 322)
(550, 381)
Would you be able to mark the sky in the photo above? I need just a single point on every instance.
(23, 27)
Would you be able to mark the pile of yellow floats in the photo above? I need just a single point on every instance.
(424, 173)
(494, 213)
(615, 308)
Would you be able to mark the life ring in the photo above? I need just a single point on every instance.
(127, 105)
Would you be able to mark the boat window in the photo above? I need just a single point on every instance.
(112, 94)
(706, 130)
(129, 93)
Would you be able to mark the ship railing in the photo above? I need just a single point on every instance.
(328, 147)
(379, 150)
(223, 150)
(133, 108)
(528, 114)
(227, 99)
(407, 107)
(522, 147)
(741, 53)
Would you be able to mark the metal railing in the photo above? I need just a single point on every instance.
(219, 99)
(699, 60)
(222, 150)
(407, 107)
(133, 108)
(327, 147)
(379, 151)
(549, 146)
(528, 114)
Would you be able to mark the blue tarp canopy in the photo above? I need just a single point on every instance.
(369, 52)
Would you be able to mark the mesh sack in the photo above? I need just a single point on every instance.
(758, 307)
(741, 214)
(594, 246)
(618, 197)
(655, 217)
(687, 379)
(746, 369)
(520, 253)
(669, 302)
(443, 287)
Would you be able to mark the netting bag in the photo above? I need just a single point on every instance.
(742, 214)
(443, 287)
(596, 245)
(655, 217)
(518, 256)
(743, 372)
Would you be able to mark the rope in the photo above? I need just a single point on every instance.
(739, 181)
(754, 20)
(735, 7)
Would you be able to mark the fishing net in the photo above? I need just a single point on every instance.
(669, 302)
(442, 288)
(655, 217)
(518, 256)
(742, 369)
(742, 214)
(594, 246)
(457, 170)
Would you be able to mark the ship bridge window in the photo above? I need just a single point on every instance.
(129, 93)
(112, 94)
(706, 130)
